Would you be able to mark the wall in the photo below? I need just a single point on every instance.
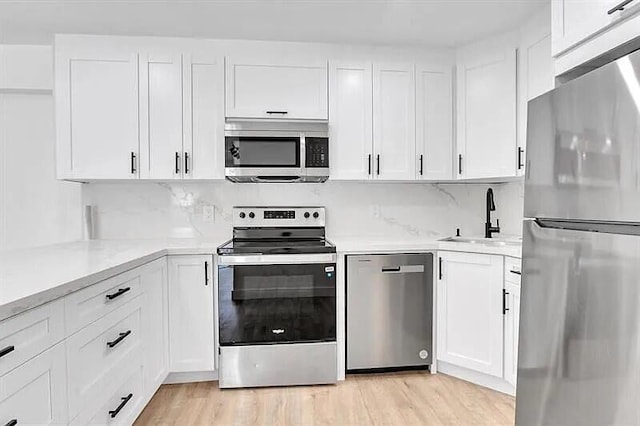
(400, 211)
(35, 208)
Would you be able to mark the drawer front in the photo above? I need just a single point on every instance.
(94, 302)
(35, 393)
(30, 333)
(512, 270)
(101, 354)
(120, 407)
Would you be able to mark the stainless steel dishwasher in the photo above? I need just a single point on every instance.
(389, 311)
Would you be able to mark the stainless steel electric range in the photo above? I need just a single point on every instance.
(277, 299)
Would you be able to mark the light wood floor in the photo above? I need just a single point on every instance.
(388, 399)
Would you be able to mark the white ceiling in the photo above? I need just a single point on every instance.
(413, 22)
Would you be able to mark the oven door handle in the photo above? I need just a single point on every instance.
(277, 259)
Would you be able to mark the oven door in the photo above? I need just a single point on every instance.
(264, 156)
(276, 299)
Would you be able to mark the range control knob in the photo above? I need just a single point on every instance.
(252, 215)
(242, 215)
(306, 215)
(316, 215)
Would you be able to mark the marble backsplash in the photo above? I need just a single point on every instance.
(384, 210)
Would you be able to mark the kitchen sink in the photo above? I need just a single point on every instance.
(485, 241)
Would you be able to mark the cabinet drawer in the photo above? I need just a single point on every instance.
(118, 407)
(512, 270)
(87, 305)
(35, 393)
(30, 333)
(102, 353)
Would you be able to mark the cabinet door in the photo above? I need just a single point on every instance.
(434, 123)
(511, 329)
(191, 314)
(97, 115)
(161, 116)
(486, 118)
(469, 311)
(350, 120)
(276, 89)
(576, 20)
(394, 133)
(155, 324)
(36, 392)
(535, 75)
(203, 112)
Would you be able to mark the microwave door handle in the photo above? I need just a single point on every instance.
(277, 179)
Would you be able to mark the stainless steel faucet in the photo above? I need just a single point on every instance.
(489, 229)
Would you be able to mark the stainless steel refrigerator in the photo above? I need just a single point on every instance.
(579, 353)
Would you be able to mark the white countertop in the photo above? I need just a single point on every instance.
(31, 277)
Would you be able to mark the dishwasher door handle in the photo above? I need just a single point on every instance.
(403, 269)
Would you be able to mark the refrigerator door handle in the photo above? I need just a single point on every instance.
(623, 228)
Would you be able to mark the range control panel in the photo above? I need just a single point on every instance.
(278, 216)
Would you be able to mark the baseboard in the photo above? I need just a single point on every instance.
(481, 379)
(191, 377)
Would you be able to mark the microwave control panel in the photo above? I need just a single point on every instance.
(317, 152)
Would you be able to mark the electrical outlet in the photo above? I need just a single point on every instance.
(208, 214)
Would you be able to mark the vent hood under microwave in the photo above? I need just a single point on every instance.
(276, 150)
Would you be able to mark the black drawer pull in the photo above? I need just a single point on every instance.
(13, 422)
(520, 152)
(7, 350)
(516, 272)
(186, 163)
(177, 163)
(206, 273)
(439, 268)
(504, 302)
(396, 269)
(125, 400)
(459, 164)
(421, 164)
(378, 164)
(120, 338)
(369, 163)
(619, 6)
(118, 293)
(133, 163)
(278, 112)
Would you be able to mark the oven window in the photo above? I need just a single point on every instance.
(262, 304)
(243, 151)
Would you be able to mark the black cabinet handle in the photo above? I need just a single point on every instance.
(619, 6)
(520, 151)
(186, 163)
(504, 302)
(459, 164)
(515, 272)
(120, 338)
(378, 164)
(369, 163)
(396, 269)
(118, 293)
(125, 400)
(439, 268)
(177, 162)
(206, 273)
(7, 350)
(421, 164)
(13, 422)
(277, 112)
(133, 163)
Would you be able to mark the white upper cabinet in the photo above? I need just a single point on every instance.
(350, 120)
(260, 89)
(97, 114)
(470, 312)
(394, 132)
(535, 74)
(486, 108)
(434, 122)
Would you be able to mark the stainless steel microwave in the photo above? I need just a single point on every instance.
(276, 151)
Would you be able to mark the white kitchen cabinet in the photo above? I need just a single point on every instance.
(486, 108)
(511, 330)
(191, 314)
(469, 311)
(97, 114)
(434, 122)
(394, 132)
(155, 323)
(272, 89)
(350, 120)
(36, 393)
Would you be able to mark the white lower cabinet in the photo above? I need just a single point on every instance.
(35, 393)
(155, 324)
(191, 314)
(511, 328)
(469, 311)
